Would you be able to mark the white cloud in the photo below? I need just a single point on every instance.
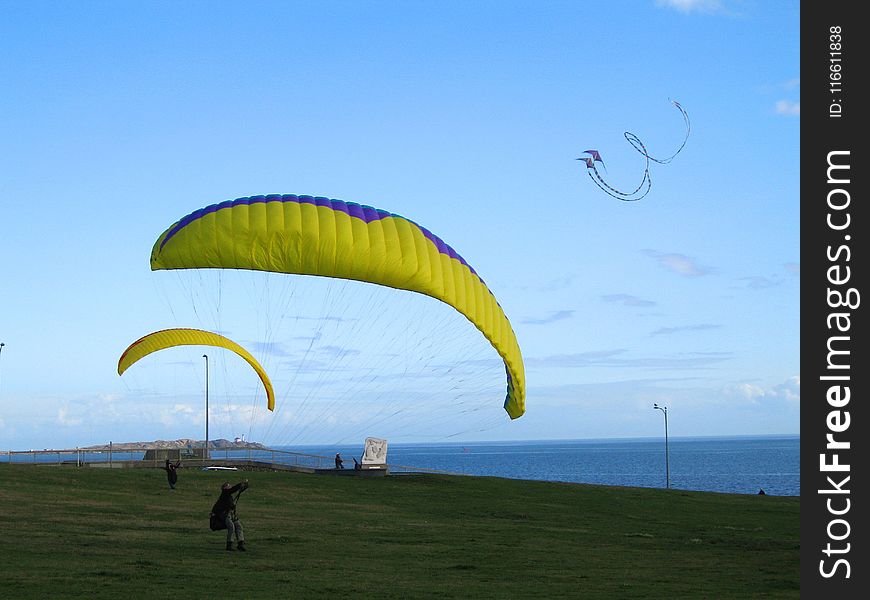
(627, 300)
(616, 358)
(788, 108)
(558, 284)
(788, 391)
(64, 419)
(558, 315)
(682, 328)
(758, 282)
(791, 389)
(747, 391)
(679, 263)
(178, 413)
(688, 6)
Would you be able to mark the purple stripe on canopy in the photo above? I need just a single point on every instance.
(367, 214)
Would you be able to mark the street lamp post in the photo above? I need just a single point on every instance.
(205, 451)
(1, 352)
(664, 410)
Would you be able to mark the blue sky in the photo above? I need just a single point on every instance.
(120, 118)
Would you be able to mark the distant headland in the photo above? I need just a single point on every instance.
(219, 444)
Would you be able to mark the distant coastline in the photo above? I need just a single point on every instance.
(224, 444)
(219, 444)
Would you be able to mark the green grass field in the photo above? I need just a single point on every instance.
(123, 534)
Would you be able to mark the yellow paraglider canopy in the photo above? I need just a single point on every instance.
(308, 235)
(168, 338)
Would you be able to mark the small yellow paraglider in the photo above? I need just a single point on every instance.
(168, 338)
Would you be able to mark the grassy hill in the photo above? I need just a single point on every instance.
(123, 534)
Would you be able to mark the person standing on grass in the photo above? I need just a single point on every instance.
(223, 514)
(339, 463)
(172, 472)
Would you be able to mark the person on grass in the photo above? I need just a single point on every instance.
(172, 472)
(223, 514)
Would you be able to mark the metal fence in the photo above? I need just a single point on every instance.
(227, 457)
(86, 456)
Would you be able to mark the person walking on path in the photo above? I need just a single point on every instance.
(223, 514)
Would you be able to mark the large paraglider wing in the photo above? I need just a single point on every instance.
(318, 236)
(168, 338)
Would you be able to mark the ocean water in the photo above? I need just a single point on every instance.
(741, 465)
